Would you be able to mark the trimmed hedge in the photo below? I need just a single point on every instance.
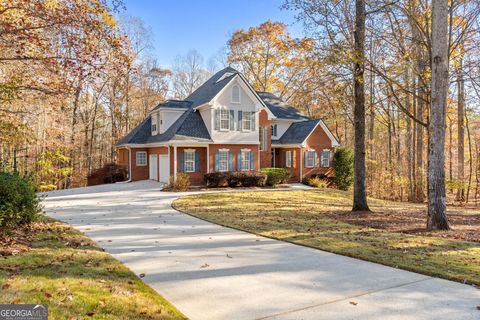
(276, 175)
(18, 201)
(235, 179)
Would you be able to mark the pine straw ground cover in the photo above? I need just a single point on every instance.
(392, 236)
(51, 263)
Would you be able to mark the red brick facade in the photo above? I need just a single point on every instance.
(266, 155)
(235, 149)
(318, 141)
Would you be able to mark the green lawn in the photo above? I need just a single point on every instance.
(304, 217)
(76, 279)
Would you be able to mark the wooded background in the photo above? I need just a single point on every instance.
(75, 76)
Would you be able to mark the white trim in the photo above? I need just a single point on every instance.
(249, 121)
(329, 158)
(239, 101)
(220, 119)
(310, 151)
(288, 158)
(227, 151)
(208, 158)
(286, 145)
(247, 159)
(136, 158)
(301, 163)
(189, 151)
(251, 92)
(326, 130)
(175, 162)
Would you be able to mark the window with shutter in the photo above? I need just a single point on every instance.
(310, 159)
(325, 158)
(224, 119)
(245, 160)
(223, 156)
(189, 160)
(288, 159)
(247, 121)
(261, 137)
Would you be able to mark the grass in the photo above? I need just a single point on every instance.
(64, 269)
(304, 217)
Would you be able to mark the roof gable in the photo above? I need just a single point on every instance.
(210, 88)
(279, 108)
(299, 132)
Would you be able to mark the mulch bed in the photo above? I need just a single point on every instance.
(464, 227)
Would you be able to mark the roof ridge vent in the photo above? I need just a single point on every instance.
(225, 76)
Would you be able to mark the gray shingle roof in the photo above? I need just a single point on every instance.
(279, 108)
(189, 126)
(297, 132)
(207, 91)
(174, 104)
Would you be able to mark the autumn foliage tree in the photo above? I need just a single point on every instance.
(273, 60)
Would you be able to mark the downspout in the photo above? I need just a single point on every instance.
(129, 166)
(301, 164)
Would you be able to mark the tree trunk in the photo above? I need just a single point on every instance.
(470, 160)
(359, 187)
(461, 132)
(437, 211)
(419, 166)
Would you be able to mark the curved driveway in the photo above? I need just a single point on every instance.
(212, 272)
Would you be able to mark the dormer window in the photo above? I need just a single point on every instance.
(235, 94)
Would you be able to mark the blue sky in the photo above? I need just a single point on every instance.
(205, 25)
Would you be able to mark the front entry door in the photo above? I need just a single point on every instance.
(164, 168)
(153, 166)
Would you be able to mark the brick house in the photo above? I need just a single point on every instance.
(225, 125)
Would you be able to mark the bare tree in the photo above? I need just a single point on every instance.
(188, 74)
(437, 211)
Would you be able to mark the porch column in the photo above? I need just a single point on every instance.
(175, 162)
(208, 158)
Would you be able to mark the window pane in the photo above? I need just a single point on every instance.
(247, 124)
(189, 161)
(224, 119)
(245, 160)
(223, 161)
(141, 158)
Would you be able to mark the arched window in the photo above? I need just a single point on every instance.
(236, 94)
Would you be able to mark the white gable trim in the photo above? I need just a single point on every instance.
(326, 130)
(247, 88)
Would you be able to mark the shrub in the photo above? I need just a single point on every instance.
(18, 201)
(181, 183)
(276, 175)
(216, 179)
(317, 182)
(235, 179)
(343, 166)
(109, 173)
(253, 179)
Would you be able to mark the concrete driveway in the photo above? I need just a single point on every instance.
(211, 272)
